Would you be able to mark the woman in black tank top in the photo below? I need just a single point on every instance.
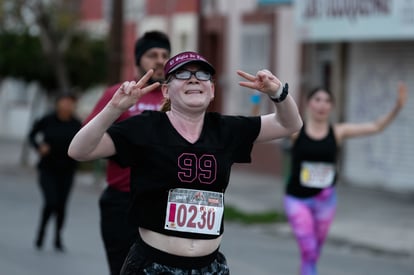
(310, 200)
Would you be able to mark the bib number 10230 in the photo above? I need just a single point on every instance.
(194, 211)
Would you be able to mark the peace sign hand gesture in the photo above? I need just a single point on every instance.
(264, 81)
(130, 92)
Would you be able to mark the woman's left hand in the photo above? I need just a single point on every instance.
(402, 95)
(264, 81)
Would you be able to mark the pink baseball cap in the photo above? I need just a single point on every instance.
(183, 58)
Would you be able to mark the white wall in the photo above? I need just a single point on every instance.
(232, 94)
(152, 23)
(182, 29)
(288, 50)
(287, 57)
(20, 104)
(384, 160)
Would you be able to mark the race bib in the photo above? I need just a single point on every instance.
(317, 174)
(194, 211)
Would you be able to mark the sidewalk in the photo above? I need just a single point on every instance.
(380, 221)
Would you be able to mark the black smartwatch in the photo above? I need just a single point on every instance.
(282, 96)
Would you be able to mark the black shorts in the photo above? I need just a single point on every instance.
(144, 259)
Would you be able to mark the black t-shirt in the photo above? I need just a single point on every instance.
(312, 152)
(161, 159)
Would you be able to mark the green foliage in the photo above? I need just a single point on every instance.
(233, 214)
(86, 61)
(21, 56)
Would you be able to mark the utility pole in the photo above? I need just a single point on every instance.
(116, 39)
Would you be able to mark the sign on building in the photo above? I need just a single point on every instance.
(353, 20)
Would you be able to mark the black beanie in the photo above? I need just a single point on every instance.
(151, 39)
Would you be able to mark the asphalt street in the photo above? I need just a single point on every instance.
(256, 249)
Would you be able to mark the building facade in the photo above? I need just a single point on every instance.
(361, 50)
(232, 34)
(250, 35)
(177, 18)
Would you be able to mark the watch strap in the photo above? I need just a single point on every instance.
(283, 95)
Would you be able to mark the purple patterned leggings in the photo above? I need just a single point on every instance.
(310, 219)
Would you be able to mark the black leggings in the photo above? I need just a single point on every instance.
(55, 187)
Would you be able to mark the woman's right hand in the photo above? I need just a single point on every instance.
(130, 92)
(43, 149)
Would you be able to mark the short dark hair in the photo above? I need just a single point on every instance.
(71, 96)
(151, 39)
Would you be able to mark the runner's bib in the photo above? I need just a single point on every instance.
(194, 211)
(317, 174)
